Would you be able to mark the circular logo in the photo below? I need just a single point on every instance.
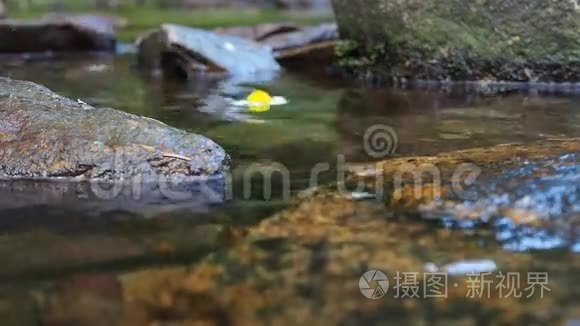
(380, 141)
(373, 284)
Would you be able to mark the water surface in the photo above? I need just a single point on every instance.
(55, 256)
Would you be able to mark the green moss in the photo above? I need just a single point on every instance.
(439, 34)
(351, 54)
(345, 47)
(501, 39)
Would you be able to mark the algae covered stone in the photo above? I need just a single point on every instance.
(529, 40)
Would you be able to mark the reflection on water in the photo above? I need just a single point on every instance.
(83, 267)
(432, 122)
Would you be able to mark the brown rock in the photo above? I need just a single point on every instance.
(303, 265)
(304, 37)
(483, 184)
(310, 44)
(317, 52)
(83, 33)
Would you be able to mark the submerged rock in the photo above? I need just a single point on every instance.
(85, 298)
(530, 40)
(80, 33)
(306, 262)
(492, 161)
(44, 135)
(187, 52)
(527, 191)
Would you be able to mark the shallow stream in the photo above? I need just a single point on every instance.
(62, 264)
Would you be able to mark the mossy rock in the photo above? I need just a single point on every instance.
(528, 40)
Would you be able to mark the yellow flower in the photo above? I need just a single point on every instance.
(259, 101)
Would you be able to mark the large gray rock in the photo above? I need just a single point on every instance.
(70, 34)
(190, 51)
(44, 135)
(521, 40)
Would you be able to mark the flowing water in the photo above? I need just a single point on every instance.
(62, 264)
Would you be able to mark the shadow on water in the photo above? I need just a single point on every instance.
(98, 266)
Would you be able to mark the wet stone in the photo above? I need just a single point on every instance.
(186, 52)
(517, 188)
(58, 34)
(47, 135)
(299, 261)
(44, 136)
